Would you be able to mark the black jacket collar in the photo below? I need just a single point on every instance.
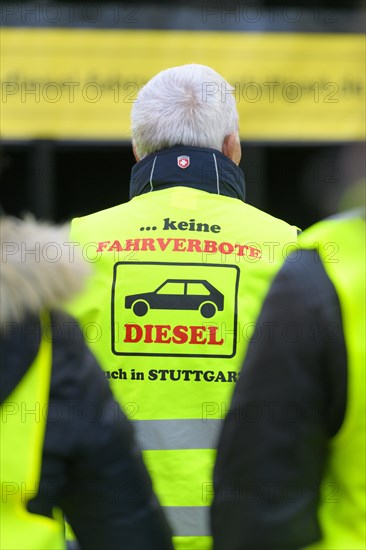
(208, 170)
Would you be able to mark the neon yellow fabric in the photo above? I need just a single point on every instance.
(342, 507)
(169, 313)
(23, 422)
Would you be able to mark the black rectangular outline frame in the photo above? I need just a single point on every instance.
(175, 354)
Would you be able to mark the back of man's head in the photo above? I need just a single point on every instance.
(186, 105)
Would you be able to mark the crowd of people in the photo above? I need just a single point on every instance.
(241, 366)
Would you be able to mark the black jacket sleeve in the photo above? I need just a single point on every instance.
(289, 401)
(91, 466)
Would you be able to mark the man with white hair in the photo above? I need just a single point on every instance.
(180, 273)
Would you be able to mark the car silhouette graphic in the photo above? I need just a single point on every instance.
(179, 294)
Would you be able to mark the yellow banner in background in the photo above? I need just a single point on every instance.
(81, 83)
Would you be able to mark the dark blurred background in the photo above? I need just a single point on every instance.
(300, 181)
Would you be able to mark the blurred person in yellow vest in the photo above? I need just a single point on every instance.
(66, 445)
(290, 470)
(180, 272)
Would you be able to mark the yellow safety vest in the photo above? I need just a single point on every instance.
(180, 275)
(23, 423)
(340, 242)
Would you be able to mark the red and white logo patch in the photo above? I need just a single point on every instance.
(183, 161)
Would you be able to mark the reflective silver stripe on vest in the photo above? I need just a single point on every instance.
(154, 435)
(189, 521)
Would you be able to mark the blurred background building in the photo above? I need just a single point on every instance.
(71, 70)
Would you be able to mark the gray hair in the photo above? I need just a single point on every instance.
(186, 105)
